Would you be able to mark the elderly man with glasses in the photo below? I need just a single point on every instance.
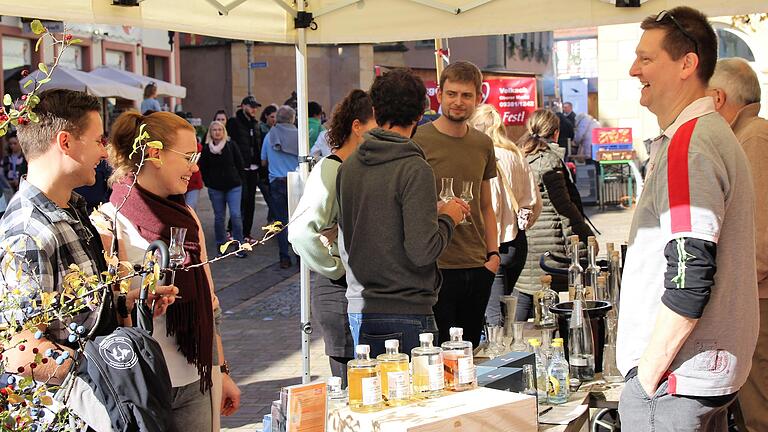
(688, 322)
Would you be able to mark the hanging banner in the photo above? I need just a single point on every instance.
(514, 98)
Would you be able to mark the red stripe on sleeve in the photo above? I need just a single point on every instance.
(677, 178)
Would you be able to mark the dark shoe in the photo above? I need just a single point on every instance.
(241, 254)
(285, 263)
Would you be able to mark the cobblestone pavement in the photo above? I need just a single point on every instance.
(261, 304)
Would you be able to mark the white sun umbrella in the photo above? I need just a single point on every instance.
(133, 79)
(73, 79)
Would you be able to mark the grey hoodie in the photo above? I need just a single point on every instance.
(390, 234)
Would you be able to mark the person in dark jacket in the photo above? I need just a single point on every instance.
(244, 130)
(14, 162)
(222, 165)
(561, 214)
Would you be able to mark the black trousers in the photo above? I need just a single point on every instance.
(462, 301)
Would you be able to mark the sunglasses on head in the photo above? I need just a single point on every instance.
(664, 15)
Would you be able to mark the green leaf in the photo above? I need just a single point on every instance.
(37, 45)
(43, 81)
(33, 117)
(3, 131)
(28, 83)
(7, 100)
(155, 144)
(75, 41)
(43, 67)
(37, 27)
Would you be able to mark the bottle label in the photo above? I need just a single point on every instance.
(371, 390)
(398, 384)
(466, 370)
(578, 361)
(436, 377)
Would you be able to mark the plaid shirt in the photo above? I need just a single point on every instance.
(45, 239)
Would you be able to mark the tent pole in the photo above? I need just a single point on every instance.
(302, 105)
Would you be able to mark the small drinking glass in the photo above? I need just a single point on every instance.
(518, 342)
(446, 193)
(466, 196)
(176, 252)
(495, 341)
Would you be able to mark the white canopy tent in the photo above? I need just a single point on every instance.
(133, 79)
(355, 21)
(73, 79)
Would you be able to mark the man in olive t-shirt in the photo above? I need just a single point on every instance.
(454, 149)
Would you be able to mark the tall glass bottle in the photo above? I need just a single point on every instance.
(557, 388)
(602, 292)
(611, 372)
(395, 374)
(427, 364)
(615, 280)
(459, 365)
(542, 377)
(575, 271)
(364, 379)
(592, 271)
(545, 298)
(580, 347)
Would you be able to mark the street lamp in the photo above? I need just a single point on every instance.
(248, 49)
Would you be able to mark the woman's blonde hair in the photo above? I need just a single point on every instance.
(488, 121)
(161, 126)
(209, 138)
(540, 131)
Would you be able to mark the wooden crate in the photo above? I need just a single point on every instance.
(479, 410)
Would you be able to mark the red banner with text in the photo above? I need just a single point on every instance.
(514, 98)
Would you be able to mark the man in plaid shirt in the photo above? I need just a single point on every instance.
(46, 228)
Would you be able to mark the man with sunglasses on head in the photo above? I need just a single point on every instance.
(688, 322)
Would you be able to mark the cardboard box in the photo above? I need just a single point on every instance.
(479, 410)
(506, 379)
(512, 360)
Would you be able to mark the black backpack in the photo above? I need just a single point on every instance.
(121, 383)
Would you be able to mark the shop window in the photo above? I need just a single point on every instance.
(732, 44)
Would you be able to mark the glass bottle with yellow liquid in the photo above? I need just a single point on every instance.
(395, 374)
(427, 364)
(459, 365)
(364, 380)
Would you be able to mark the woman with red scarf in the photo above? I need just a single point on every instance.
(188, 333)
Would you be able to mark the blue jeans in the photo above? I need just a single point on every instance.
(373, 329)
(278, 188)
(220, 200)
(191, 198)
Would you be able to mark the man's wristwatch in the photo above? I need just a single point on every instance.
(492, 253)
(225, 368)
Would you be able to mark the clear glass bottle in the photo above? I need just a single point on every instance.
(541, 370)
(364, 379)
(459, 365)
(575, 271)
(615, 285)
(337, 397)
(580, 343)
(427, 365)
(602, 293)
(543, 300)
(611, 372)
(395, 374)
(529, 382)
(592, 271)
(557, 387)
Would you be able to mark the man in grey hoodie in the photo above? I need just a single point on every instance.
(392, 228)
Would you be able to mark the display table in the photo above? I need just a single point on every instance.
(595, 394)
(479, 410)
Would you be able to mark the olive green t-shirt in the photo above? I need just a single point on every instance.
(472, 158)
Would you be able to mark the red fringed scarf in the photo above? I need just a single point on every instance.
(189, 318)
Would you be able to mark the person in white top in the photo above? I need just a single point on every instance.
(516, 202)
(145, 211)
(689, 310)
